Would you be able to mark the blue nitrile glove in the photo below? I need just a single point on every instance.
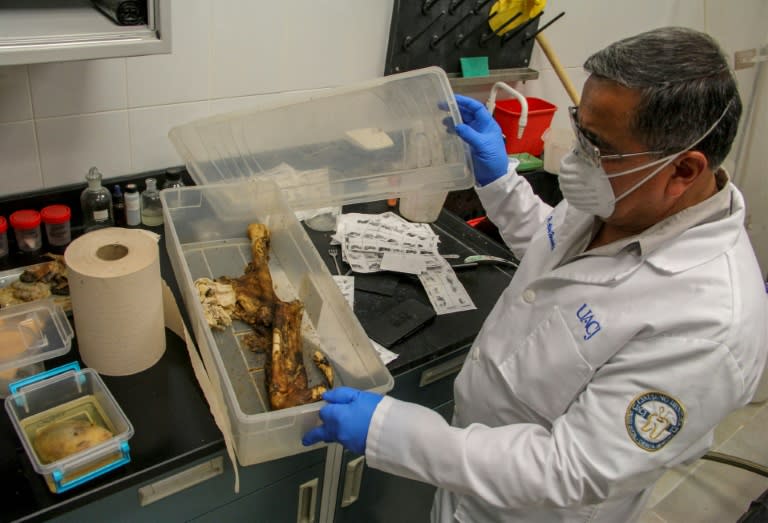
(346, 418)
(483, 134)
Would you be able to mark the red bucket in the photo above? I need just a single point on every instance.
(540, 114)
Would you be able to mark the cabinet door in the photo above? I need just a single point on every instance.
(296, 498)
(193, 490)
(369, 495)
(35, 31)
(430, 384)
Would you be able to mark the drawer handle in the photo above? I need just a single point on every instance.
(352, 481)
(185, 479)
(307, 501)
(437, 372)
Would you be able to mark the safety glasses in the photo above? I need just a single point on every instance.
(589, 151)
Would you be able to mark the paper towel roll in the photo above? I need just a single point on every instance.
(117, 300)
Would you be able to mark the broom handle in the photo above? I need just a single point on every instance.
(558, 67)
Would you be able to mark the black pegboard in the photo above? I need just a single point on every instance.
(440, 32)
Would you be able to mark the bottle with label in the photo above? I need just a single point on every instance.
(96, 203)
(132, 205)
(151, 206)
(173, 178)
(118, 206)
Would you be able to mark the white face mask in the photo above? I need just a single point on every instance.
(588, 188)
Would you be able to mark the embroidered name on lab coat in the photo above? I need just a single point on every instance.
(653, 418)
(550, 233)
(587, 318)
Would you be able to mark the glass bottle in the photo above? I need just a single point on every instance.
(173, 178)
(96, 203)
(118, 206)
(151, 207)
(132, 205)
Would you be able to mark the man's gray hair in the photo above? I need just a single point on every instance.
(685, 86)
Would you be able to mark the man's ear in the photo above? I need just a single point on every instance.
(688, 167)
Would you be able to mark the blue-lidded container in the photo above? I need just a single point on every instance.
(71, 427)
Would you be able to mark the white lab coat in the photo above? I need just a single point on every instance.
(557, 418)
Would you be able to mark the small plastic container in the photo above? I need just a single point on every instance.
(422, 208)
(26, 225)
(371, 141)
(77, 405)
(557, 142)
(57, 228)
(3, 237)
(31, 333)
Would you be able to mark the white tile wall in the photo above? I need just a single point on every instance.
(590, 25)
(71, 145)
(20, 170)
(71, 88)
(150, 147)
(262, 48)
(183, 75)
(15, 102)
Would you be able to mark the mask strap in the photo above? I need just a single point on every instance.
(644, 166)
(667, 159)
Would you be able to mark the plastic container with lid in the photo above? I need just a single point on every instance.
(373, 141)
(558, 141)
(31, 333)
(3, 237)
(57, 227)
(422, 208)
(26, 225)
(70, 425)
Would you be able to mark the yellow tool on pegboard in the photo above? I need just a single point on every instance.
(505, 15)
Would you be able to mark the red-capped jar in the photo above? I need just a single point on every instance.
(26, 225)
(56, 219)
(3, 237)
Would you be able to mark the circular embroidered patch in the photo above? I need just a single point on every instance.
(653, 418)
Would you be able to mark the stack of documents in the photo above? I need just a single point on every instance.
(387, 242)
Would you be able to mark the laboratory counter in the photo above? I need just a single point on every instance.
(172, 422)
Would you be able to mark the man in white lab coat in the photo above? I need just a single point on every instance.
(635, 323)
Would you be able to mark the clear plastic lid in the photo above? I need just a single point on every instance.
(88, 430)
(33, 332)
(375, 140)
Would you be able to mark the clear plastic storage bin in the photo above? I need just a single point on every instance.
(31, 333)
(48, 402)
(371, 141)
(206, 237)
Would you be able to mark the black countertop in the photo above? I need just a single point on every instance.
(172, 422)
(170, 416)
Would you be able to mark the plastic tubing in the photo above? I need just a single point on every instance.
(491, 104)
